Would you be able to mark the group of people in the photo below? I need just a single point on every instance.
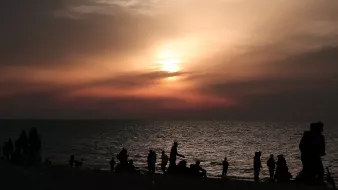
(25, 150)
(278, 171)
(126, 165)
(312, 147)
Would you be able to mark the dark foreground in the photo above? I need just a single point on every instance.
(64, 178)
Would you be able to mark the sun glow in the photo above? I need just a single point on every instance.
(169, 62)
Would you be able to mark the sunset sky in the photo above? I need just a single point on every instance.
(225, 59)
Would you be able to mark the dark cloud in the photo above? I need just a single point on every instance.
(36, 33)
(301, 87)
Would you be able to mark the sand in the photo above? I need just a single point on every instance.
(58, 177)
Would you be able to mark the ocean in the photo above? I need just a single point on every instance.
(95, 142)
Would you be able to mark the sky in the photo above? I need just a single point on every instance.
(195, 59)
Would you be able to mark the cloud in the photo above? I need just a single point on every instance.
(79, 58)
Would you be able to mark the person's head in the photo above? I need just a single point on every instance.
(258, 154)
(163, 152)
(281, 156)
(175, 144)
(271, 155)
(198, 163)
(317, 127)
(225, 158)
(150, 151)
(33, 131)
(23, 133)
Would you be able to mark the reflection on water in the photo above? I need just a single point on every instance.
(208, 141)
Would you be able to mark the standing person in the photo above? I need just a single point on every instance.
(153, 161)
(225, 167)
(173, 154)
(123, 157)
(71, 160)
(312, 147)
(164, 162)
(271, 165)
(10, 148)
(34, 141)
(22, 143)
(149, 161)
(257, 165)
(112, 164)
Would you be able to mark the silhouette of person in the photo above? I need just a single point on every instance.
(112, 164)
(257, 165)
(225, 167)
(312, 147)
(149, 160)
(34, 145)
(164, 162)
(71, 160)
(153, 161)
(9, 149)
(198, 170)
(271, 165)
(173, 154)
(5, 150)
(282, 171)
(131, 167)
(77, 163)
(123, 156)
(22, 143)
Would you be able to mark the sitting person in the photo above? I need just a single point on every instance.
(282, 172)
(197, 170)
(77, 163)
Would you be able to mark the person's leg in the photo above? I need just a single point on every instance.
(163, 168)
(153, 167)
(256, 174)
(320, 170)
(271, 171)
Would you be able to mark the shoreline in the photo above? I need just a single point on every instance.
(50, 177)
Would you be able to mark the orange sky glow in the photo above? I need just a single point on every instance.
(228, 58)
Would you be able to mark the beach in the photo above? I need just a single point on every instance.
(57, 177)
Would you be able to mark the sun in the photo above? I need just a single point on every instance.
(169, 62)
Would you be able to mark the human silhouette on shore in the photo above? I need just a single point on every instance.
(164, 161)
(124, 165)
(123, 156)
(173, 155)
(312, 147)
(22, 143)
(271, 165)
(112, 164)
(153, 161)
(8, 149)
(71, 160)
(34, 141)
(225, 167)
(197, 170)
(282, 171)
(149, 157)
(131, 167)
(257, 165)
